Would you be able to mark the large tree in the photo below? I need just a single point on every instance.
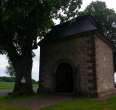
(21, 22)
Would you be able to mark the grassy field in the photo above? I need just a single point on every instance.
(85, 104)
(10, 85)
(6, 105)
(12, 107)
(72, 104)
(6, 85)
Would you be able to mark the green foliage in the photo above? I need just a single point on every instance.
(105, 17)
(22, 21)
(7, 79)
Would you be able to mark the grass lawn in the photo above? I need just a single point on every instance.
(12, 107)
(10, 85)
(6, 105)
(85, 104)
(71, 104)
(6, 85)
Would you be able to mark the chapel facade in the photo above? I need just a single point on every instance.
(75, 58)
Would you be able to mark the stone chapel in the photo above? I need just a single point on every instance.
(75, 58)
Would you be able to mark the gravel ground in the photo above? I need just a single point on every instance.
(5, 92)
(34, 102)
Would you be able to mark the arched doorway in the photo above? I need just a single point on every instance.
(64, 78)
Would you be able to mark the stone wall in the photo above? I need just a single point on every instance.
(104, 68)
(78, 51)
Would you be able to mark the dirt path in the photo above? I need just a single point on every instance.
(37, 102)
(4, 92)
(34, 102)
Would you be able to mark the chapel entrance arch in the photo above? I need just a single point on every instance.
(64, 78)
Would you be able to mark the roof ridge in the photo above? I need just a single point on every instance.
(78, 25)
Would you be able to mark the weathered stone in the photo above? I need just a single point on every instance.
(90, 58)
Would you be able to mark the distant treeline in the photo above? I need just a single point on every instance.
(11, 79)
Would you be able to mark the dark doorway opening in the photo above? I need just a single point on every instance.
(64, 78)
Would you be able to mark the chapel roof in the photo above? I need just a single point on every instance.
(78, 25)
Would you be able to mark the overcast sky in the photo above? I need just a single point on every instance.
(35, 70)
(110, 3)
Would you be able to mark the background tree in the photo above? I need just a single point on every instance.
(10, 69)
(21, 22)
(106, 20)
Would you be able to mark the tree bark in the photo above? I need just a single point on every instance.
(23, 81)
(22, 64)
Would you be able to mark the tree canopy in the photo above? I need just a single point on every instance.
(21, 22)
(105, 17)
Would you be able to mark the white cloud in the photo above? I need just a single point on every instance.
(110, 3)
(3, 64)
(35, 70)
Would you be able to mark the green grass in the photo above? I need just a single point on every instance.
(35, 85)
(70, 104)
(12, 107)
(10, 85)
(6, 105)
(6, 85)
(85, 104)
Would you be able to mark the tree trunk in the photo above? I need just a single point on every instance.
(22, 63)
(23, 68)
